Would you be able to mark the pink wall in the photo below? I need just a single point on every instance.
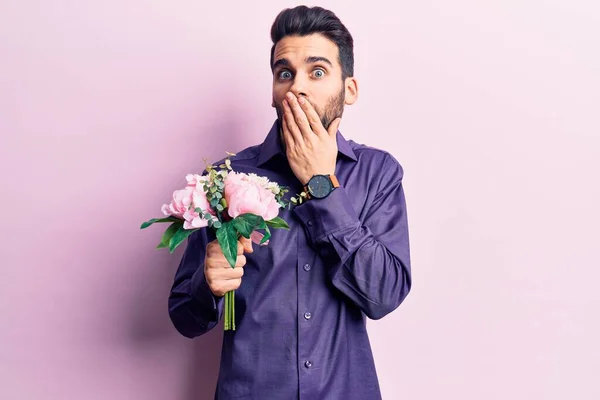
(493, 109)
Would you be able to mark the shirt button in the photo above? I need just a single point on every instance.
(308, 364)
(307, 315)
(310, 223)
(307, 267)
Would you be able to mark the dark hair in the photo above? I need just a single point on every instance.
(304, 21)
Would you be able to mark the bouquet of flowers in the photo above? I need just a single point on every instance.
(233, 204)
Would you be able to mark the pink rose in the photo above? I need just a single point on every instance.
(246, 195)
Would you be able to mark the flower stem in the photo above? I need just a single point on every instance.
(229, 311)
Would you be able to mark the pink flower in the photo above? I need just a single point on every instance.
(256, 237)
(246, 195)
(180, 203)
(185, 202)
(194, 179)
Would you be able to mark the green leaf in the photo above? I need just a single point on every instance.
(247, 223)
(153, 220)
(278, 223)
(220, 208)
(217, 224)
(214, 201)
(179, 237)
(166, 238)
(267, 235)
(227, 237)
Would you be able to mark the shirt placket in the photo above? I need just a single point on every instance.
(307, 361)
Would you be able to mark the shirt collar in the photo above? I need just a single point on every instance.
(272, 145)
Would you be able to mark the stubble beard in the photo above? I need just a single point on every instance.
(334, 109)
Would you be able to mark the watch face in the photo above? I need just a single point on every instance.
(320, 186)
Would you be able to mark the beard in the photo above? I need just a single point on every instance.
(332, 110)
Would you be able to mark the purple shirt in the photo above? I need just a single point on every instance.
(302, 306)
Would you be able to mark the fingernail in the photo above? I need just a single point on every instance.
(285, 103)
(290, 95)
(301, 100)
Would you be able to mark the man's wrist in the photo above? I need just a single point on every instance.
(319, 186)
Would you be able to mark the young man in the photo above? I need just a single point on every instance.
(302, 301)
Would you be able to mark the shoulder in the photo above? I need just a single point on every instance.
(374, 157)
(243, 157)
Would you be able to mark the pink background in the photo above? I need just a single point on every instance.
(492, 108)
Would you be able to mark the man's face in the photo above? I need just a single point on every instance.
(309, 66)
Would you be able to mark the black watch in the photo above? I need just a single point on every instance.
(321, 186)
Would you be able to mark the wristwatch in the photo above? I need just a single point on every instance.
(320, 186)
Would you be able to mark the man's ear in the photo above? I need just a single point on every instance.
(351, 88)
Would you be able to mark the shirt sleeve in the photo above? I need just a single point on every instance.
(193, 308)
(368, 259)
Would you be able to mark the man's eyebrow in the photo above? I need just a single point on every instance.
(284, 62)
(313, 60)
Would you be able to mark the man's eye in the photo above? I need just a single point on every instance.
(319, 73)
(285, 75)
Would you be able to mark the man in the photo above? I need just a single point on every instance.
(302, 300)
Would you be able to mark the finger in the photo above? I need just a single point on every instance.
(291, 124)
(241, 261)
(224, 274)
(247, 243)
(227, 286)
(300, 116)
(240, 248)
(312, 116)
(334, 126)
(287, 136)
(233, 284)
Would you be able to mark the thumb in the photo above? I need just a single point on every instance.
(333, 127)
(247, 243)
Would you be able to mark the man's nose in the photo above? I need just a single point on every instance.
(298, 87)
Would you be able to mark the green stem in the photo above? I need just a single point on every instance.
(229, 310)
(233, 310)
